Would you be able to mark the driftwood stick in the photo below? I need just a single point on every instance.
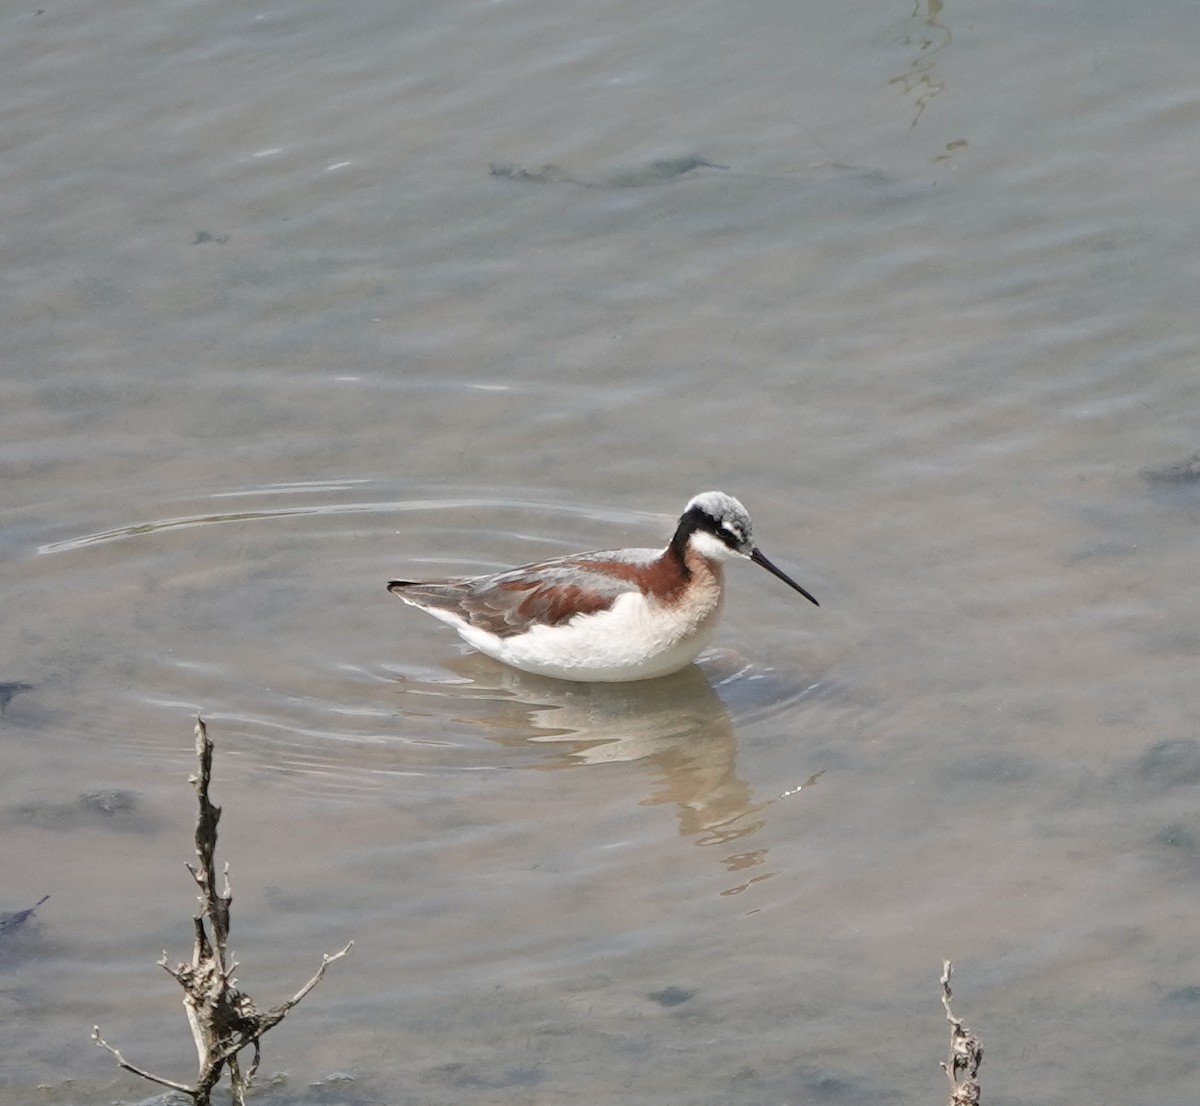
(213, 905)
(224, 1019)
(966, 1052)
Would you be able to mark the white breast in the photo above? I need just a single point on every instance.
(635, 639)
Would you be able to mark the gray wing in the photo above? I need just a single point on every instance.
(549, 593)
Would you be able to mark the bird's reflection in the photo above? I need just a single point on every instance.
(677, 727)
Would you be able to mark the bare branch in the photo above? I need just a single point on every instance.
(122, 1062)
(326, 960)
(257, 1024)
(966, 1052)
(213, 905)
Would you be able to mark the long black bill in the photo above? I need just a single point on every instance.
(758, 558)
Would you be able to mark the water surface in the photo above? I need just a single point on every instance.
(915, 283)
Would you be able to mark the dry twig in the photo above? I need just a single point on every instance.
(224, 1019)
(966, 1053)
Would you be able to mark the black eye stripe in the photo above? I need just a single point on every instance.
(723, 530)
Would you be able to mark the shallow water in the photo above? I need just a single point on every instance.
(275, 332)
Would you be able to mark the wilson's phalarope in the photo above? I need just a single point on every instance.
(621, 614)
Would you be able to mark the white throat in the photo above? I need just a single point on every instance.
(708, 546)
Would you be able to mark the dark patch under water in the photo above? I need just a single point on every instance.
(109, 808)
(654, 172)
(1171, 762)
(672, 996)
(1176, 836)
(8, 690)
(1183, 472)
(10, 923)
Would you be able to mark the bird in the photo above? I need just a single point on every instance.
(610, 616)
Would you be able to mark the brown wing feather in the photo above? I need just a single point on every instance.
(511, 602)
